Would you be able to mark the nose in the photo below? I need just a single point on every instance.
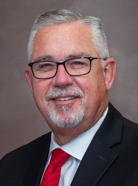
(62, 78)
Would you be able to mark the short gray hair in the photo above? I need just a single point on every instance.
(60, 16)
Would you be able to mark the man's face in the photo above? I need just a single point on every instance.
(68, 101)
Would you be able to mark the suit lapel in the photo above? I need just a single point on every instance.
(37, 164)
(100, 159)
(100, 156)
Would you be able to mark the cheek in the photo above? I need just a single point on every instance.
(87, 87)
(40, 89)
(94, 90)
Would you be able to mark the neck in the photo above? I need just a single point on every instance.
(65, 135)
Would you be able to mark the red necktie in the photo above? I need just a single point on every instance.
(52, 173)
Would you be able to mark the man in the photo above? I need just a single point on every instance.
(70, 74)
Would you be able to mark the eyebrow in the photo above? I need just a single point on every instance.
(81, 54)
(43, 58)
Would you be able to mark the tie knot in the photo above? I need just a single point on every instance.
(59, 157)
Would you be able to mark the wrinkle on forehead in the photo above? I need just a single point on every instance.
(69, 56)
(64, 40)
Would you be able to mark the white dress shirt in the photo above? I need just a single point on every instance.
(76, 148)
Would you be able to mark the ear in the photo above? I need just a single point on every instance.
(28, 75)
(109, 72)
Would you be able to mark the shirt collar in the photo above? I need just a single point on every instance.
(78, 146)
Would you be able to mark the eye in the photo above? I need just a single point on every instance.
(44, 66)
(77, 64)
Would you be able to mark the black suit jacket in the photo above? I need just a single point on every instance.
(111, 159)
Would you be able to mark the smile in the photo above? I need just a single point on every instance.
(64, 99)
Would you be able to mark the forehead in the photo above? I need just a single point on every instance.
(63, 40)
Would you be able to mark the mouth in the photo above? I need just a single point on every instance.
(64, 98)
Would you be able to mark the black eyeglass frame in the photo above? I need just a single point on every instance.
(63, 63)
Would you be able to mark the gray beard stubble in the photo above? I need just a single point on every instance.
(74, 117)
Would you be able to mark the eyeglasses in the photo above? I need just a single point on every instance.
(75, 67)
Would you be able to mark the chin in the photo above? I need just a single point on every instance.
(65, 117)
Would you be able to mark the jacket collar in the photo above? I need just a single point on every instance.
(100, 156)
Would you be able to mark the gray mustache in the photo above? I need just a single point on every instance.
(73, 91)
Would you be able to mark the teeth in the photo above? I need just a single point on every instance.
(64, 99)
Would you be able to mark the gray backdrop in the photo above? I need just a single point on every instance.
(20, 121)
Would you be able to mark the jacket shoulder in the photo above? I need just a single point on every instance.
(26, 151)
